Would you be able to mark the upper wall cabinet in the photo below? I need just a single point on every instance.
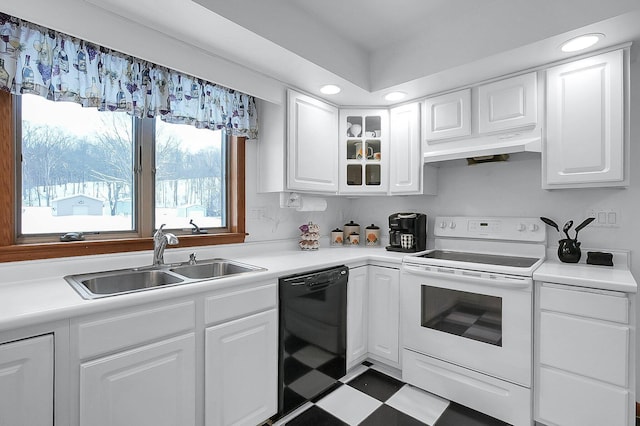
(364, 151)
(407, 172)
(508, 104)
(405, 159)
(448, 116)
(485, 120)
(312, 144)
(585, 144)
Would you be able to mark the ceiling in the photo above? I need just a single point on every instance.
(372, 47)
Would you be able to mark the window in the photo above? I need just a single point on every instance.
(112, 177)
(77, 169)
(190, 180)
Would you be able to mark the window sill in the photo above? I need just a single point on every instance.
(15, 253)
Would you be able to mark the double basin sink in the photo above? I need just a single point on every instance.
(110, 283)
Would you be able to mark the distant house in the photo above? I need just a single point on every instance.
(192, 210)
(76, 205)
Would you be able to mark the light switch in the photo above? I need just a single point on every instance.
(602, 217)
(612, 218)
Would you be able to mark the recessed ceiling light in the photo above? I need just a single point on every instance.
(581, 42)
(330, 89)
(395, 96)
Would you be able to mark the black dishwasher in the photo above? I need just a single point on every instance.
(313, 335)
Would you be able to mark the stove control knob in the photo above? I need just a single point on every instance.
(443, 225)
(521, 227)
(533, 227)
(452, 225)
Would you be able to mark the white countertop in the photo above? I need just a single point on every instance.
(616, 278)
(35, 292)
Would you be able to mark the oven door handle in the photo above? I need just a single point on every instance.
(484, 278)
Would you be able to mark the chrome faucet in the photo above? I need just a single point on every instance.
(160, 241)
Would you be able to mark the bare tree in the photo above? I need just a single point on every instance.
(115, 148)
(45, 150)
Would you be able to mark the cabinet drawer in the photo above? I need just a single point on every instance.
(234, 304)
(599, 304)
(497, 398)
(134, 327)
(589, 348)
(568, 400)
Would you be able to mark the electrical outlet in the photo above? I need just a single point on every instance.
(605, 218)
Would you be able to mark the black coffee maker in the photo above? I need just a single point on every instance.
(407, 232)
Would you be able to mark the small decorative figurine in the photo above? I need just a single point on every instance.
(310, 238)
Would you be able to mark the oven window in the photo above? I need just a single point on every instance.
(470, 315)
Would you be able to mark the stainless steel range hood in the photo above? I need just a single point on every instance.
(505, 143)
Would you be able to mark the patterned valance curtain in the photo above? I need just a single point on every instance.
(59, 67)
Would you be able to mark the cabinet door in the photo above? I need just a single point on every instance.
(569, 400)
(590, 348)
(26, 382)
(153, 385)
(241, 370)
(312, 142)
(384, 312)
(405, 153)
(357, 316)
(448, 116)
(364, 152)
(508, 104)
(585, 119)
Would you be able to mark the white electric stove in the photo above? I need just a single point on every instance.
(467, 312)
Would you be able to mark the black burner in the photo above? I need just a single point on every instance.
(487, 259)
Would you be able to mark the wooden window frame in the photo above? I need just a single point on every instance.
(11, 251)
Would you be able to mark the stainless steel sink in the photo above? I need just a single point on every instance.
(214, 268)
(110, 283)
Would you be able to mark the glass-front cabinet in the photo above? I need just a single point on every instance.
(364, 156)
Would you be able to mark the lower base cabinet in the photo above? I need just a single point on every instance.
(583, 346)
(373, 315)
(384, 314)
(26, 382)
(357, 316)
(151, 385)
(241, 370)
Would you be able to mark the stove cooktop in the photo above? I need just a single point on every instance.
(481, 258)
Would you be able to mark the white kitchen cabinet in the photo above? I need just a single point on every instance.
(584, 347)
(152, 385)
(364, 151)
(508, 104)
(384, 314)
(241, 372)
(312, 144)
(447, 116)
(210, 359)
(26, 382)
(357, 316)
(586, 143)
(405, 154)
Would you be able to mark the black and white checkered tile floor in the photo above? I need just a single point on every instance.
(372, 395)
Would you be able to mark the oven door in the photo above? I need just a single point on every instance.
(478, 320)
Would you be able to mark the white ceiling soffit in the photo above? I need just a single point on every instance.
(410, 45)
